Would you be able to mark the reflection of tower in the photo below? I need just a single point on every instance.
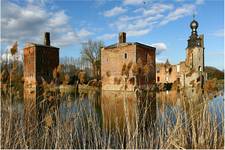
(195, 53)
(128, 110)
(39, 63)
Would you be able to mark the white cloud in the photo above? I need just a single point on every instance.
(115, 11)
(138, 32)
(157, 8)
(135, 24)
(27, 23)
(178, 13)
(215, 53)
(143, 20)
(133, 2)
(219, 33)
(58, 19)
(160, 47)
(159, 60)
(199, 2)
(84, 33)
(100, 2)
(138, 10)
(7, 56)
(106, 37)
(66, 39)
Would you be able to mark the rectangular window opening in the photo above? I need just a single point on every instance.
(125, 55)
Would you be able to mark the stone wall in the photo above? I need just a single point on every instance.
(167, 73)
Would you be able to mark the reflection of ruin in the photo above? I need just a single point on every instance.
(39, 63)
(189, 72)
(189, 109)
(127, 65)
(180, 99)
(125, 111)
(190, 102)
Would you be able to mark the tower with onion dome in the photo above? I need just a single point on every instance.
(195, 56)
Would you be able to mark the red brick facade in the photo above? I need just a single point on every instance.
(39, 62)
(119, 61)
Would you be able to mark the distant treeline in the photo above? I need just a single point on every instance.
(213, 72)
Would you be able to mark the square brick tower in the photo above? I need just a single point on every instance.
(127, 65)
(39, 62)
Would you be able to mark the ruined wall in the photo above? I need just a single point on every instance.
(160, 73)
(195, 66)
(198, 59)
(189, 72)
(147, 57)
(167, 73)
(182, 72)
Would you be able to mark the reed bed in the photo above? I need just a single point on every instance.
(194, 128)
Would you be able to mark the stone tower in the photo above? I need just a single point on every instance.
(195, 56)
(39, 62)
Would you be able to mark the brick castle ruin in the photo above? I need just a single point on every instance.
(188, 73)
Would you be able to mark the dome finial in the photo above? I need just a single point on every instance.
(194, 25)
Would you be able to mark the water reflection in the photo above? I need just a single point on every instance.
(126, 110)
(137, 113)
(114, 106)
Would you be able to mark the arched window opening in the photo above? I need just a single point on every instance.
(170, 70)
(199, 68)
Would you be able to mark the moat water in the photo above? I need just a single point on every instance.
(117, 109)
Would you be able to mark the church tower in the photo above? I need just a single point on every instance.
(195, 49)
(195, 56)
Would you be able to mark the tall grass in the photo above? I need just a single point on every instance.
(192, 127)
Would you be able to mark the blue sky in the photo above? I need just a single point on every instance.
(163, 24)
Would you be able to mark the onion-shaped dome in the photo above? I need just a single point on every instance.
(194, 25)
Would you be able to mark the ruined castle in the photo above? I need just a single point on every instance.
(188, 73)
(124, 65)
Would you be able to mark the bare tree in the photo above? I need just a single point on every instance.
(91, 52)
